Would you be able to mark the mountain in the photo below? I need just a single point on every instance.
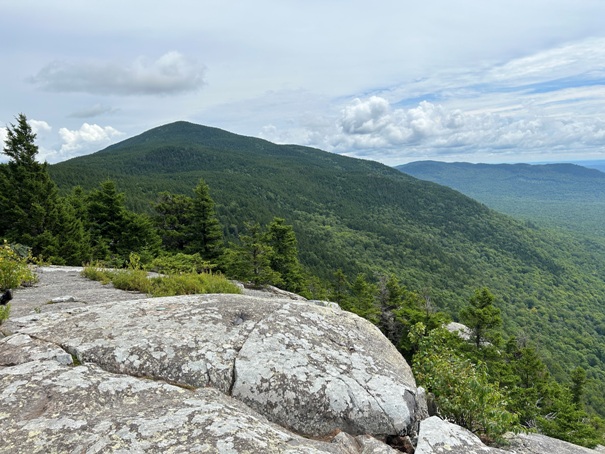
(598, 164)
(558, 195)
(364, 217)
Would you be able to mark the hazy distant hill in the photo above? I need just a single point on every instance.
(362, 216)
(598, 164)
(564, 195)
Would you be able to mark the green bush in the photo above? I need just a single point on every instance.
(14, 270)
(4, 313)
(97, 272)
(462, 391)
(181, 263)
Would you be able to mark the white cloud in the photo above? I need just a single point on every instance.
(2, 137)
(373, 129)
(170, 74)
(86, 137)
(39, 126)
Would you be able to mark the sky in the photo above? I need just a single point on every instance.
(393, 81)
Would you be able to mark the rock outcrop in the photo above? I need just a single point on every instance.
(218, 373)
(540, 444)
(266, 372)
(441, 437)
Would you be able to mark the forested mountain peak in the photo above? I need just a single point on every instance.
(183, 131)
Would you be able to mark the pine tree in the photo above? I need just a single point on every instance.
(206, 232)
(173, 219)
(284, 258)
(251, 260)
(363, 299)
(481, 316)
(116, 232)
(341, 290)
(390, 299)
(32, 211)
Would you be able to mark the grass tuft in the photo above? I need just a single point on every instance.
(166, 285)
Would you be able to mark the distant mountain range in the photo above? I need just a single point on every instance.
(560, 195)
(364, 217)
(598, 164)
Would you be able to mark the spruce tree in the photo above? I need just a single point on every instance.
(206, 232)
(481, 316)
(284, 256)
(250, 261)
(116, 232)
(172, 219)
(32, 211)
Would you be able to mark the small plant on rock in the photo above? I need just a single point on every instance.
(4, 313)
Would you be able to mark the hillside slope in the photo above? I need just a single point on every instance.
(559, 195)
(362, 216)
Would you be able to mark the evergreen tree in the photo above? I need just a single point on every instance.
(578, 382)
(73, 240)
(481, 316)
(251, 260)
(32, 211)
(173, 220)
(363, 299)
(341, 289)
(284, 257)
(116, 232)
(390, 299)
(206, 231)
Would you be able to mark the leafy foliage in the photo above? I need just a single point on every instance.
(463, 390)
(14, 270)
(4, 313)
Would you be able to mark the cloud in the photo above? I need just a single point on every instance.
(3, 135)
(549, 103)
(86, 137)
(39, 126)
(170, 74)
(433, 128)
(94, 111)
(372, 128)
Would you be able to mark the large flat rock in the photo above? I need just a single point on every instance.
(307, 367)
(311, 369)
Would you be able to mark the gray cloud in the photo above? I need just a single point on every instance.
(170, 74)
(94, 111)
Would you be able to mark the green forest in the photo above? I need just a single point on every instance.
(408, 255)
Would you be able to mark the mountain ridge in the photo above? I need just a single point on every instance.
(554, 195)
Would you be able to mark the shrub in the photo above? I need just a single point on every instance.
(462, 391)
(181, 263)
(97, 272)
(14, 270)
(4, 313)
